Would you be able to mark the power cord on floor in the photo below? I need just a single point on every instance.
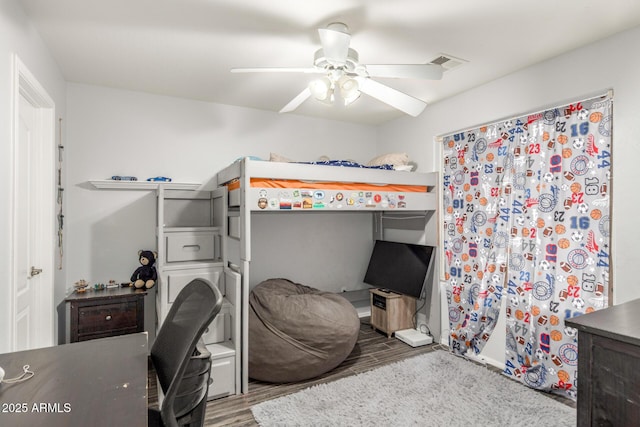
(423, 327)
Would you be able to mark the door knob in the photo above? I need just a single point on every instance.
(35, 271)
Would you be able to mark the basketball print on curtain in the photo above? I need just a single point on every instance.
(542, 183)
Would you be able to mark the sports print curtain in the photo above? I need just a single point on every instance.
(526, 224)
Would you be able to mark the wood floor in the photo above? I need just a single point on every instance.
(372, 350)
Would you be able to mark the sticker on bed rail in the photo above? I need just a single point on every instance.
(285, 204)
(299, 199)
(284, 200)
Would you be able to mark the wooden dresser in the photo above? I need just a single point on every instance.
(105, 313)
(608, 361)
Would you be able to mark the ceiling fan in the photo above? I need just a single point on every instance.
(343, 78)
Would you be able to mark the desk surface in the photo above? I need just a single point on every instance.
(100, 382)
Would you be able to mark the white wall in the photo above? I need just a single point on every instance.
(328, 251)
(607, 64)
(115, 132)
(18, 37)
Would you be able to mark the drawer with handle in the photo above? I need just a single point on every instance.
(107, 317)
(191, 246)
(105, 313)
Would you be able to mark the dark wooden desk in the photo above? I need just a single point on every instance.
(101, 382)
(608, 360)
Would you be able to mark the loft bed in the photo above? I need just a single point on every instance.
(329, 187)
(267, 186)
(397, 199)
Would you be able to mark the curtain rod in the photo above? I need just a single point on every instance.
(609, 93)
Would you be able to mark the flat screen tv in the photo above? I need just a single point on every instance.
(399, 267)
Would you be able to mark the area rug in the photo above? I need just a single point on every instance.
(433, 389)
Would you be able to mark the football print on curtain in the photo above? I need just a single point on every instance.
(544, 248)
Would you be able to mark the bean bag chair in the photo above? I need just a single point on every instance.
(297, 332)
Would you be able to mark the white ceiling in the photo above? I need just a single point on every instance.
(185, 48)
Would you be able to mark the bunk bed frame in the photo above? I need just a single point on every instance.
(397, 199)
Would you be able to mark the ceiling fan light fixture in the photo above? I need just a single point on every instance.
(320, 88)
(349, 89)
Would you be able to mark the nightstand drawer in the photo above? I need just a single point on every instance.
(107, 317)
(105, 313)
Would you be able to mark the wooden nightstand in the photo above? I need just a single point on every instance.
(104, 313)
(391, 312)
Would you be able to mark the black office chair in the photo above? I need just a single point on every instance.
(180, 358)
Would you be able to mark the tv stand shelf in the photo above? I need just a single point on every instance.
(391, 312)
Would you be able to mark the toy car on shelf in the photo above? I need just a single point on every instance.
(123, 178)
(159, 179)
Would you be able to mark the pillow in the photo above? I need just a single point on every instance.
(395, 159)
(273, 157)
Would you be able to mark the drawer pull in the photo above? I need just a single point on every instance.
(191, 248)
(108, 317)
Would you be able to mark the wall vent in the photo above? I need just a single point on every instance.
(448, 62)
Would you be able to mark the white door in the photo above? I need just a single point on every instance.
(33, 239)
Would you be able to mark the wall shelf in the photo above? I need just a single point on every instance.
(108, 184)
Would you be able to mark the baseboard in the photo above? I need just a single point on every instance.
(484, 360)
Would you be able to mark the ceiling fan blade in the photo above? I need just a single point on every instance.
(405, 71)
(295, 102)
(395, 98)
(307, 70)
(335, 43)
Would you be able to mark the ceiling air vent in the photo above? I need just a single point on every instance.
(448, 62)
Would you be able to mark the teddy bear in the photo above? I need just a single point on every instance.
(145, 275)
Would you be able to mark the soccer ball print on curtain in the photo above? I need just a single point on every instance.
(527, 221)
